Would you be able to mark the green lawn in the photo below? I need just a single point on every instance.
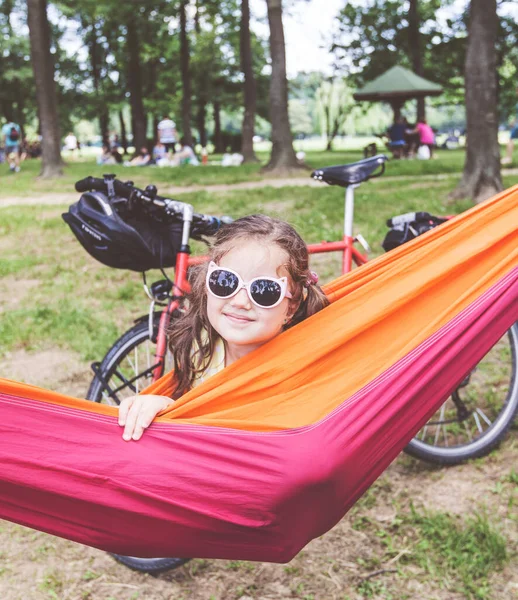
(78, 303)
(26, 182)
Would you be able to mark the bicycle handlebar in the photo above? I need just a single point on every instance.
(201, 224)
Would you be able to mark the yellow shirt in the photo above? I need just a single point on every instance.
(216, 365)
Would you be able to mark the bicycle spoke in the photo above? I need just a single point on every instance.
(481, 413)
(477, 421)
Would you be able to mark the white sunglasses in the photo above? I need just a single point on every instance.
(265, 292)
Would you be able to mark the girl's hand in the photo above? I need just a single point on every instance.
(136, 413)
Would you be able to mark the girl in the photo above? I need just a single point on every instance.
(255, 285)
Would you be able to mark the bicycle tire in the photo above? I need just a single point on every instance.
(150, 565)
(134, 338)
(488, 439)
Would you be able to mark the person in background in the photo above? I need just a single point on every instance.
(107, 157)
(426, 135)
(185, 156)
(142, 159)
(396, 133)
(166, 133)
(70, 143)
(11, 138)
(159, 152)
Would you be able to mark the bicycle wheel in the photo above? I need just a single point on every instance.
(128, 366)
(476, 417)
(127, 369)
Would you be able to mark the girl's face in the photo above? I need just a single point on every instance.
(243, 325)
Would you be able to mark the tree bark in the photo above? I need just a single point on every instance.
(283, 155)
(124, 137)
(43, 67)
(138, 115)
(481, 177)
(218, 138)
(249, 88)
(201, 118)
(95, 61)
(414, 42)
(186, 76)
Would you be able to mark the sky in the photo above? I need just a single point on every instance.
(307, 30)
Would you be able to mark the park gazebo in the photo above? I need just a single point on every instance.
(396, 86)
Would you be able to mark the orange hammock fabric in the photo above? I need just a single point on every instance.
(273, 450)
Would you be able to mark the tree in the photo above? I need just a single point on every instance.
(186, 75)
(414, 45)
(249, 87)
(17, 102)
(39, 35)
(374, 36)
(335, 103)
(283, 155)
(134, 78)
(481, 177)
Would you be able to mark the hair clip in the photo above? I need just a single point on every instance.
(312, 279)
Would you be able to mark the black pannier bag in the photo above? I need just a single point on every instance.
(404, 228)
(122, 235)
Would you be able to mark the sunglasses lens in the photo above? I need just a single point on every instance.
(222, 283)
(265, 292)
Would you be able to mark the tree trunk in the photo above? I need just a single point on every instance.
(43, 67)
(104, 124)
(124, 137)
(481, 177)
(414, 42)
(186, 76)
(95, 61)
(138, 115)
(201, 118)
(283, 155)
(249, 88)
(219, 148)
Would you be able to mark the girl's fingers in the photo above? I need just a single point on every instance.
(124, 407)
(131, 420)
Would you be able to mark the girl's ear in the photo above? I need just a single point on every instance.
(293, 307)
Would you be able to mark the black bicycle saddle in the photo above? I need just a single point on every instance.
(357, 172)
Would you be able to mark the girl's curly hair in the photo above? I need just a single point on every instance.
(193, 329)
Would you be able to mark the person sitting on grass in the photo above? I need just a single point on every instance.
(396, 133)
(159, 152)
(142, 159)
(186, 155)
(256, 284)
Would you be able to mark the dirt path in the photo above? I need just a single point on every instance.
(61, 199)
(68, 198)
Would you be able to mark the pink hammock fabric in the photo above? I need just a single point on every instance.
(260, 490)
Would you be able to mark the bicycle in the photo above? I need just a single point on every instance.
(139, 356)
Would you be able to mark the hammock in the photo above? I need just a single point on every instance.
(273, 451)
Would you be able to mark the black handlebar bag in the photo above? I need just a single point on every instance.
(124, 236)
(404, 228)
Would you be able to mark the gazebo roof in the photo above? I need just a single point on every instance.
(398, 83)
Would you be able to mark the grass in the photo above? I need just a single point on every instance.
(463, 553)
(26, 182)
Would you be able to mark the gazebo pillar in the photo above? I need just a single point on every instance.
(397, 105)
